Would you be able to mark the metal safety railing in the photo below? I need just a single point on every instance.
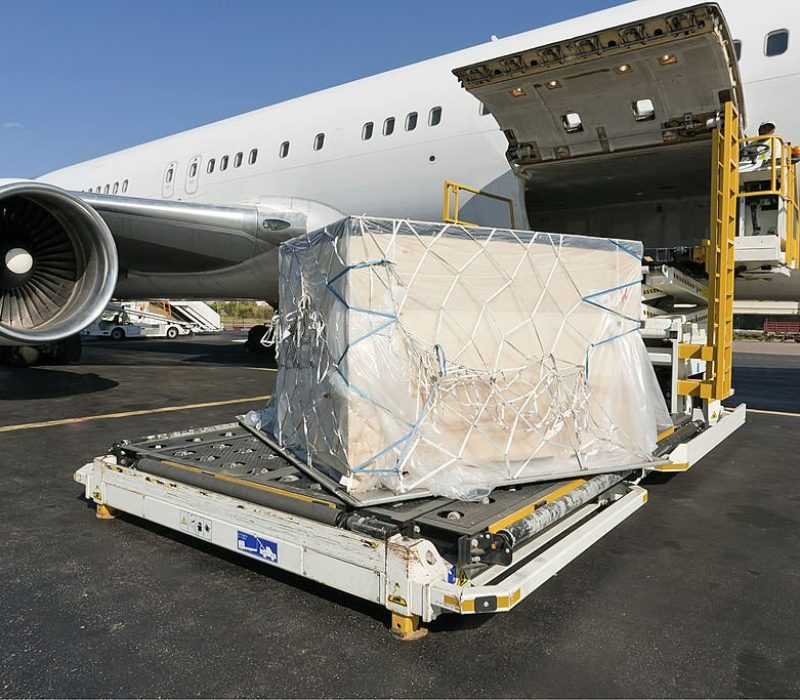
(451, 203)
(792, 242)
(773, 155)
(162, 305)
(768, 154)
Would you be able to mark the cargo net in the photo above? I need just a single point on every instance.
(434, 357)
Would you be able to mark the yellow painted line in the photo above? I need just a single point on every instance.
(773, 413)
(126, 414)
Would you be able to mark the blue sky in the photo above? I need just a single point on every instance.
(82, 78)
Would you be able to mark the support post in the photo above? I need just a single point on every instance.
(720, 264)
(406, 627)
(104, 512)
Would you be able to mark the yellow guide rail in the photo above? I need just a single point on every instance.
(451, 203)
(718, 353)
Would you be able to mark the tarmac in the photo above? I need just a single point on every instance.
(697, 594)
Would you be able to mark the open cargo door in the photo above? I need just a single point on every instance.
(622, 116)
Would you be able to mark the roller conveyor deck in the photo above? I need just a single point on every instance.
(419, 558)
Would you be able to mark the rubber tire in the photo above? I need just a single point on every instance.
(117, 334)
(172, 332)
(23, 356)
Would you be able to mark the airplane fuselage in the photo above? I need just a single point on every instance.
(401, 174)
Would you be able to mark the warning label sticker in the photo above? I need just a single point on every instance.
(258, 547)
(195, 524)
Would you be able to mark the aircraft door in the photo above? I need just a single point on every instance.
(193, 175)
(168, 183)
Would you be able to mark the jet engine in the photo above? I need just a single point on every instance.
(58, 264)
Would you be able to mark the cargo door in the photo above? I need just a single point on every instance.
(617, 117)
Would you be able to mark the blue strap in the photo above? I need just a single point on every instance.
(603, 342)
(589, 300)
(626, 249)
(357, 266)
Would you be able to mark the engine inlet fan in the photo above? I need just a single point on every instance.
(40, 265)
(58, 264)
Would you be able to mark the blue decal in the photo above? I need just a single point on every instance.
(257, 547)
(451, 574)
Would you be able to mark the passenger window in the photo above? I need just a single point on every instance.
(388, 126)
(193, 170)
(366, 131)
(483, 110)
(223, 163)
(435, 116)
(283, 151)
(210, 167)
(116, 188)
(777, 42)
(237, 161)
(319, 141)
(411, 121)
(105, 189)
(737, 49)
(170, 174)
(124, 186)
(253, 156)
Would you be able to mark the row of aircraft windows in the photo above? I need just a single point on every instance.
(110, 189)
(775, 44)
(412, 118)
(367, 132)
(238, 159)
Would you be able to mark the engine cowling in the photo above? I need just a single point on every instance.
(58, 263)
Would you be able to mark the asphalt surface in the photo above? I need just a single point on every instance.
(697, 594)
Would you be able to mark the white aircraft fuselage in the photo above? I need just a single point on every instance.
(401, 174)
(199, 214)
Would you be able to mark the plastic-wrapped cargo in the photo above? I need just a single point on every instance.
(415, 355)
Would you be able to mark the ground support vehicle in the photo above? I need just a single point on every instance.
(783, 330)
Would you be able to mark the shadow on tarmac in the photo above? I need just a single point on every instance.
(24, 384)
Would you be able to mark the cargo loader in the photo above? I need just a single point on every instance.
(420, 555)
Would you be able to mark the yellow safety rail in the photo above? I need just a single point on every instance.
(783, 184)
(718, 351)
(452, 199)
(792, 245)
(780, 163)
(163, 306)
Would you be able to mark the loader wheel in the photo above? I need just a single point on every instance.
(172, 332)
(118, 334)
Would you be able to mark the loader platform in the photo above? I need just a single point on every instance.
(419, 558)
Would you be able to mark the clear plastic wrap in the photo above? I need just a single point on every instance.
(418, 355)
